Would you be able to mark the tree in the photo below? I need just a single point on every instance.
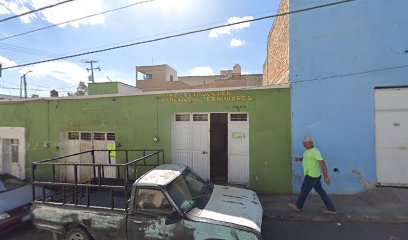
(82, 90)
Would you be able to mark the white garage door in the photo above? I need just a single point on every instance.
(391, 130)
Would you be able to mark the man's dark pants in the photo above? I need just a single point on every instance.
(309, 183)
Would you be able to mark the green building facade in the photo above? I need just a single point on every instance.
(145, 121)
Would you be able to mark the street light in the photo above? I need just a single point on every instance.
(24, 81)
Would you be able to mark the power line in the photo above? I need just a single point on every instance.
(35, 10)
(352, 74)
(77, 19)
(179, 34)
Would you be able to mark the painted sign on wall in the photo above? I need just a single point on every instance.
(203, 97)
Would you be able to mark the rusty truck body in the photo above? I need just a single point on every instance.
(170, 201)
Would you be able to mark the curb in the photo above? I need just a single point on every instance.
(335, 218)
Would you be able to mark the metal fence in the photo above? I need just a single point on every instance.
(79, 192)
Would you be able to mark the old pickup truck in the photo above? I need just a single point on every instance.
(168, 202)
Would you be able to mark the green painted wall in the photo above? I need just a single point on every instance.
(138, 119)
(103, 88)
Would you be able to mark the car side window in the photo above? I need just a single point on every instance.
(152, 201)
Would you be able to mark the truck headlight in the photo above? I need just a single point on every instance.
(4, 216)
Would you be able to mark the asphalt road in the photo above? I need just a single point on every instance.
(278, 230)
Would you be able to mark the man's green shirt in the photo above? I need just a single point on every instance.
(310, 162)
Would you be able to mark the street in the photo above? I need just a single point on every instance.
(284, 230)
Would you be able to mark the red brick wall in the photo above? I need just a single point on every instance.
(276, 66)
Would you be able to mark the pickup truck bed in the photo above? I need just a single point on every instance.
(168, 202)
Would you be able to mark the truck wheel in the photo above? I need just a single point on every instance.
(77, 234)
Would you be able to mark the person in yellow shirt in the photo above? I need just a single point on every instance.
(312, 161)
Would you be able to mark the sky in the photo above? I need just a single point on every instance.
(198, 54)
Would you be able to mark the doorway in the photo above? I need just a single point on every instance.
(214, 145)
(12, 151)
(391, 131)
(219, 147)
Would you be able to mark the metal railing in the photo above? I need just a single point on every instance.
(72, 192)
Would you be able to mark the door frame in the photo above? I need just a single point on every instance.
(15, 133)
(377, 109)
(209, 138)
(173, 139)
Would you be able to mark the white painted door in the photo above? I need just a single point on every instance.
(201, 145)
(191, 142)
(391, 125)
(238, 148)
(12, 151)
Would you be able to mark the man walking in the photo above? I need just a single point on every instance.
(312, 161)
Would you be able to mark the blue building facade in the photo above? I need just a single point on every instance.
(338, 55)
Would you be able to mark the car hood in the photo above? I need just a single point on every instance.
(234, 205)
(16, 198)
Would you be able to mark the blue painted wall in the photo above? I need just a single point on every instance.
(338, 55)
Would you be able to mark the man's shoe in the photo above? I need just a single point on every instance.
(294, 207)
(327, 211)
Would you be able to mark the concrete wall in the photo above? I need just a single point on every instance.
(137, 119)
(276, 66)
(218, 81)
(338, 55)
(103, 88)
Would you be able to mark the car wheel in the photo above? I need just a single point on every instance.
(77, 234)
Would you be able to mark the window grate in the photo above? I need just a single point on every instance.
(200, 117)
(243, 117)
(99, 136)
(86, 136)
(73, 135)
(111, 136)
(182, 117)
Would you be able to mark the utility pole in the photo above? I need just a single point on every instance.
(23, 81)
(92, 77)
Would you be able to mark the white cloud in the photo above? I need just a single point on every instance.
(66, 72)
(227, 30)
(5, 62)
(202, 71)
(65, 12)
(236, 42)
(15, 8)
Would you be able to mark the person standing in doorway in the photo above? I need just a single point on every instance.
(312, 161)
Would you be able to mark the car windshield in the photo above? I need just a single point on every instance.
(8, 182)
(189, 191)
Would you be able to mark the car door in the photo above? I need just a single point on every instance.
(153, 217)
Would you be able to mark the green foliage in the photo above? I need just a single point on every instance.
(82, 90)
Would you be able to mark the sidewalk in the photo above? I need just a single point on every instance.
(377, 205)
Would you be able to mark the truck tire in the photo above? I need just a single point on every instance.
(77, 233)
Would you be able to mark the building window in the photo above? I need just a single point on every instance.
(99, 136)
(182, 117)
(171, 78)
(239, 117)
(111, 136)
(86, 136)
(14, 150)
(73, 135)
(200, 117)
(10, 150)
(147, 76)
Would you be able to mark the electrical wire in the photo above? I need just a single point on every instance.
(352, 74)
(77, 19)
(179, 34)
(35, 10)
